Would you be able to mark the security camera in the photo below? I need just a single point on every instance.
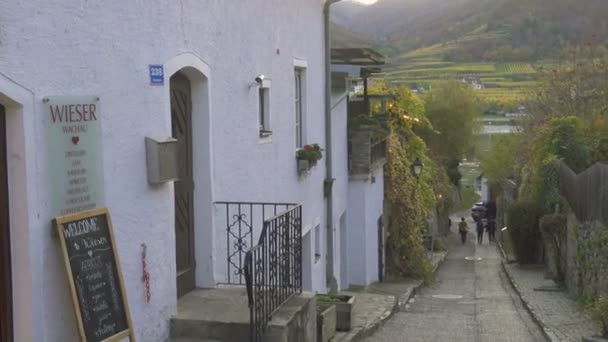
(260, 79)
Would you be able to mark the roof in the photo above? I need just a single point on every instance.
(357, 56)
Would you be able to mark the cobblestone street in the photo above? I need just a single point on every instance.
(560, 315)
(471, 301)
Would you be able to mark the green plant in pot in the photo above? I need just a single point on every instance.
(310, 153)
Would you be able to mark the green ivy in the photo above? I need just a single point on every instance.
(409, 200)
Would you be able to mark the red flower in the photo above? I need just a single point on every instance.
(307, 148)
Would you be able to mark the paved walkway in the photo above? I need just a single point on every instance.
(376, 303)
(560, 316)
(472, 301)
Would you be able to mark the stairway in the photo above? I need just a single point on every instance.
(212, 315)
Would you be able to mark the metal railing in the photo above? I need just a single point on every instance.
(242, 221)
(273, 268)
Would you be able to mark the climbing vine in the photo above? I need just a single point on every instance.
(409, 199)
(408, 202)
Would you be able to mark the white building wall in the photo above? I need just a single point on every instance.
(78, 47)
(365, 207)
(356, 222)
(340, 169)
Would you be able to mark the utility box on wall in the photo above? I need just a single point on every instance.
(161, 157)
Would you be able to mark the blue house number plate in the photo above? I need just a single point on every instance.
(157, 74)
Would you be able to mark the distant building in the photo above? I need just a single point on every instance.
(473, 81)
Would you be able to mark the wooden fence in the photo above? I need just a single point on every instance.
(586, 193)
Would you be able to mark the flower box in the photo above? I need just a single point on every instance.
(308, 156)
(303, 165)
(344, 309)
(326, 322)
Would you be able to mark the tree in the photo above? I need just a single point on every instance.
(505, 159)
(452, 108)
(576, 87)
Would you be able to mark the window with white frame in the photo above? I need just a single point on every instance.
(299, 102)
(264, 111)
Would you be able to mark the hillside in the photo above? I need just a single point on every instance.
(503, 43)
(342, 38)
(536, 28)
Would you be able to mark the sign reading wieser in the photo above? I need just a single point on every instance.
(74, 153)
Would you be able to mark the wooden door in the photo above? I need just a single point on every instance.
(6, 301)
(181, 122)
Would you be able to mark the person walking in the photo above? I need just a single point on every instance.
(492, 230)
(463, 229)
(480, 228)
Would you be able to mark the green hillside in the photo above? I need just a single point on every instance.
(504, 42)
(509, 82)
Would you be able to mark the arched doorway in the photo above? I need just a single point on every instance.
(181, 123)
(6, 309)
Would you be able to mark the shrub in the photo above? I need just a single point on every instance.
(599, 312)
(553, 230)
(523, 222)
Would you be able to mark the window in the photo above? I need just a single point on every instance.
(299, 101)
(264, 111)
(317, 243)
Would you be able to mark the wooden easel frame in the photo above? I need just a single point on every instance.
(58, 223)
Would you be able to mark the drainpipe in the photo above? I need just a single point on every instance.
(329, 180)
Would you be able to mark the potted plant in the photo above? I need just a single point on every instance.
(308, 156)
(344, 309)
(599, 312)
(326, 321)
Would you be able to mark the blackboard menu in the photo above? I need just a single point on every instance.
(94, 275)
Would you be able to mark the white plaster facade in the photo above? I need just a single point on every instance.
(78, 47)
(359, 198)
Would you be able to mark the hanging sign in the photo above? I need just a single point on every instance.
(94, 275)
(74, 146)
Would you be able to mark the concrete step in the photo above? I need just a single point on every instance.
(214, 314)
(222, 314)
(187, 339)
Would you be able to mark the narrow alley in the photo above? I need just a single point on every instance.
(471, 300)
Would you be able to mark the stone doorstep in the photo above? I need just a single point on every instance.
(222, 314)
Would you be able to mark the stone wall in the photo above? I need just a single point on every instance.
(586, 257)
(360, 155)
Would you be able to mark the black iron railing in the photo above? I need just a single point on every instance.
(242, 221)
(273, 268)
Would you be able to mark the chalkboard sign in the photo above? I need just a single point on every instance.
(94, 275)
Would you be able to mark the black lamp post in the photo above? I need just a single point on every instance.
(417, 167)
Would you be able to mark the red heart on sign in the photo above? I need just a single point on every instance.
(75, 140)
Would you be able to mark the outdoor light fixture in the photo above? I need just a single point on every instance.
(417, 167)
(260, 81)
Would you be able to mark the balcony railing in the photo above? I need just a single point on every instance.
(242, 222)
(366, 150)
(273, 268)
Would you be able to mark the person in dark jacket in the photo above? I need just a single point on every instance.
(491, 230)
(480, 229)
(463, 229)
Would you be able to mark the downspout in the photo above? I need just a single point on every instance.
(329, 180)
